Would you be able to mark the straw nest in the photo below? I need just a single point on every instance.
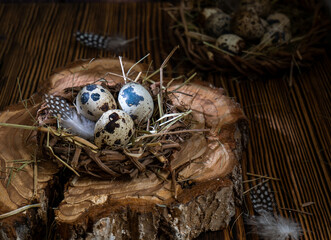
(256, 57)
(152, 143)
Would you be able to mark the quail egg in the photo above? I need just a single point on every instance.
(248, 25)
(136, 101)
(93, 100)
(114, 128)
(276, 35)
(231, 43)
(207, 12)
(279, 19)
(261, 7)
(217, 24)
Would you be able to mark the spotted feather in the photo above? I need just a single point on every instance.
(267, 224)
(102, 42)
(69, 119)
(262, 198)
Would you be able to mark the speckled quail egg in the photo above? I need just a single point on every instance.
(93, 100)
(207, 12)
(261, 7)
(279, 19)
(136, 101)
(217, 24)
(231, 43)
(114, 128)
(248, 25)
(276, 35)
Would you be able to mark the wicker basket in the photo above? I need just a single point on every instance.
(308, 30)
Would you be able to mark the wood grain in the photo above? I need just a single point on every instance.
(290, 127)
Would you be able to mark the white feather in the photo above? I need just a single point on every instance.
(275, 228)
(79, 125)
(69, 118)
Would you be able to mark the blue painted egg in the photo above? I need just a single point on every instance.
(136, 101)
(93, 100)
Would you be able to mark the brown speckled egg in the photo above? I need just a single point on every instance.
(93, 100)
(261, 7)
(231, 43)
(114, 128)
(279, 19)
(248, 25)
(217, 24)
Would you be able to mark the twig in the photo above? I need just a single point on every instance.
(136, 63)
(262, 176)
(19, 210)
(97, 160)
(35, 174)
(160, 96)
(170, 133)
(160, 103)
(307, 204)
(299, 211)
(252, 180)
(69, 137)
(120, 57)
(218, 49)
(21, 98)
(185, 82)
(76, 156)
(173, 177)
(152, 75)
(161, 158)
(138, 76)
(115, 74)
(244, 193)
(58, 158)
(236, 221)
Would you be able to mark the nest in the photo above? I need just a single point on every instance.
(257, 58)
(151, 146)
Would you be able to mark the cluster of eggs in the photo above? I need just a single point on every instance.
(114, 127)
(251, 21)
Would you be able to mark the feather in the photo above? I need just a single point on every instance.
(70, 119)
(267, 225)
(275, 227)
(102, 42)
(262, 198)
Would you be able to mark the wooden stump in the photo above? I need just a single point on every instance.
(198, 190)
(26, 177)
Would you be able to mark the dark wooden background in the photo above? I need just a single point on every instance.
(289, 126)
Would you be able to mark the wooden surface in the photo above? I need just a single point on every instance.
(289, 126)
